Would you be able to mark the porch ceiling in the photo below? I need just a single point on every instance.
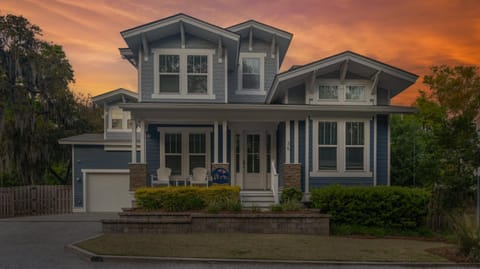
(252, 112)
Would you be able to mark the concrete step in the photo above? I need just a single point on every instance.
(262, 200)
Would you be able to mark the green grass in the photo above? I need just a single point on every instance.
(263, 246)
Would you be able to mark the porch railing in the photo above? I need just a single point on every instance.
(274, 182)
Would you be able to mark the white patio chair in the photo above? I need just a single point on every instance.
(163, 176)
(199, 176)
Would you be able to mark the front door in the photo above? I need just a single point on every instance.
(254, 162)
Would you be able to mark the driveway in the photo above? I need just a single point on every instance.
(39, 242)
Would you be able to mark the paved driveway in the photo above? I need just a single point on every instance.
(38, 242)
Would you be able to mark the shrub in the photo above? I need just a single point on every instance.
(392, 208)
(292, 205)
(276, 208)
(468, 238)
(188, 198)
(291, 194)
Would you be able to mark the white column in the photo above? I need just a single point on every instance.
(295, 142)
(143, 154)
(134, 141)
(307, 161)
(215, 142)
(287, 141)
(224, 141)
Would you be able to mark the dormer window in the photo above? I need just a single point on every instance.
(354, 93)
(251, 73)
(328, 92)
(183, 73)
(119, 120)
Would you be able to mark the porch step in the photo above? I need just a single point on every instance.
(262, 200)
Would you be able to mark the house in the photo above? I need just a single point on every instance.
(214, 97)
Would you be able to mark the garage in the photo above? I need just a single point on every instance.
(107, 192)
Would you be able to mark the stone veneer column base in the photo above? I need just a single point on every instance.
(138, 175)
(292, 175)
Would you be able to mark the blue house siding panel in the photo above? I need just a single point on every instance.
(147, 74)
(301, 151)
(372, 142)
(318, 182)
(292, 140)
(152, 144)
(95, 157)
(310, 142)
(270, 70)
(382, 149)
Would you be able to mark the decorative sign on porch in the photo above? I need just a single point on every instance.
(220, 173)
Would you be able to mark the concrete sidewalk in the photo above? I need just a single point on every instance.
(73, 217)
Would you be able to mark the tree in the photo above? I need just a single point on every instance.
(446, 146)
(36, 106)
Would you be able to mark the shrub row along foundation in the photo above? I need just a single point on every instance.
(270, 223)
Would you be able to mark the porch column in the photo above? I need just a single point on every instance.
(142, 142)
(215, 141)
(287, 141)
(224, 141)
(134, 141)
(295, 142)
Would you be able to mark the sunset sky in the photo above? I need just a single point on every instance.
(409, 34)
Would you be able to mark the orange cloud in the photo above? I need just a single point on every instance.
(412, 35)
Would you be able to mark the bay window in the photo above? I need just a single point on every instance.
(183, 73)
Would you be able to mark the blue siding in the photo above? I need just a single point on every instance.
(218, 79)
(372, 138)
(270, 72)
(292, 140)
(95, 157)
(152, 144)
(310, 142)
(382, 149)
(301, 152)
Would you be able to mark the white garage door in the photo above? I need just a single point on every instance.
(108, 192)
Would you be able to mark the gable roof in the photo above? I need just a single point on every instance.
(172, 25)
(389, 77)
(266, 33)
(114, 95)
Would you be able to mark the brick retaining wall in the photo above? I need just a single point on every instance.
(269, 223)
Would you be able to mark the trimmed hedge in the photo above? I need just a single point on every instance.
(397, 208)
(187, 198)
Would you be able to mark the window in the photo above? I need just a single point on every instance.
(183, 149)
(354, 145)
(328, 92)
(355, 93)
(197, 151)
(327, 145)
(197, 74)
(341, 148)
(119, 120)
(173, 152)
(251, 73)
(183, 73)
(253, 153)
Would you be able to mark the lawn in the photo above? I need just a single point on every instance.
(264, 246)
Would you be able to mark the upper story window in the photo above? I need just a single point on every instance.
(251, 74)
(328, 92)
(332, 91)
(183, 73)
(355, 93)
(119, 120)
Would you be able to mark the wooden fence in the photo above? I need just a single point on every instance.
(35, 200)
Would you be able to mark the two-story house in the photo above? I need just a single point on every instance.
(213, 97)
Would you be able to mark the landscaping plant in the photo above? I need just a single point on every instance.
(468, 238)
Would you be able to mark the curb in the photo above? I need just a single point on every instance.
(92, 257)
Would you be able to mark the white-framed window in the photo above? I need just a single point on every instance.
(251, 73)
(119, 120)
(183, 149)
(332, 91)
(183, 73)
(355, 92)
(341, 147)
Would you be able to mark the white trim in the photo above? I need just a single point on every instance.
(240, 90)
(374, 151)
(84, 183)
(287, 141)
(183, 73)
(264, 28)
(109, 94)
(224, 141)
(307, 159)
(215, 141)
(180, 18)
(295, 141)
(341, 147)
